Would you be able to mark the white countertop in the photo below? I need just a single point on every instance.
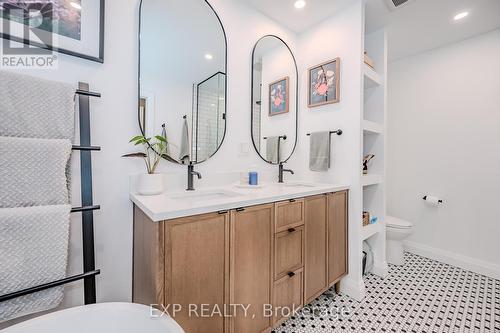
(170, 205)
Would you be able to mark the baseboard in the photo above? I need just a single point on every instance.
(352, 288)
(464, 262)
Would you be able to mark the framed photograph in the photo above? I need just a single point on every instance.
(278, 97)
(324, 83)
(73, 27)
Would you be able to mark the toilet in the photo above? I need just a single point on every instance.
(397, 231)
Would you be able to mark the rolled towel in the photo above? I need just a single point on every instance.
(33, 251)
(36, 108)
(33, 172)
(319, 151)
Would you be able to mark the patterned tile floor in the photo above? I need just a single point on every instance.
(421, 296)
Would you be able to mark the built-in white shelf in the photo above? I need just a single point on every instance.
(372, 127)
(367, 180)
(372, 78)
(372, 229)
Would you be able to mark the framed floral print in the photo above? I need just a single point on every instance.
(324, 83)
(278, 97)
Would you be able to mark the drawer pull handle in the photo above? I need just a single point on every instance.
(222, 212)
(292, 200)
(240, 209)
(291, 274)
(291, 230)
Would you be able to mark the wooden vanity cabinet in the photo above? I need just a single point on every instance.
(196, 270)
(251, 269)
(337, 236)
(282, 254)
(184, 262)
(316, 243)
(325, 242)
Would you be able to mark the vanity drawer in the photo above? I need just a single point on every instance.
(289, 214)
(288, 295)
(288, 251)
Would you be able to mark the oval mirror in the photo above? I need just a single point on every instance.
(182, 77)
(274, 100)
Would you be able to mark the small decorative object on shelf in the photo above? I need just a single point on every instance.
(366, 218)
(366, 160)
(369, 61)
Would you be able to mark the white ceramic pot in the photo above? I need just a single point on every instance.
(150, 184)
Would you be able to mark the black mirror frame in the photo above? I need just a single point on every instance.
(139, 79)
(296, 100)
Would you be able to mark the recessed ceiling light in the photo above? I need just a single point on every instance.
(460, 16)
(75, 5)
(299, 4)
(208, 56)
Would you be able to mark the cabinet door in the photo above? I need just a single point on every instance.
(337, 236)
(196, 267)
(251, 267)
(316, 267)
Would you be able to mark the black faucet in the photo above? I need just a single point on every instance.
(281, 170)
(191, 173)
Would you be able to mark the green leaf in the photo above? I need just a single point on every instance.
(160, 138)
(141, 142)
(135, 138)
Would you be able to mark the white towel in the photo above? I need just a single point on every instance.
(33, 172)
(319, 151)
(33, 251)
(184, 151)
(36, 108)
(272, 149)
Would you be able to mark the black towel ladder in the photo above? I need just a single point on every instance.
(87, 208)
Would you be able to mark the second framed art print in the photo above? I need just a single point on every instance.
(324, 83)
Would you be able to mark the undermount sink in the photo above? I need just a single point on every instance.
(299, 184)
(204, 195)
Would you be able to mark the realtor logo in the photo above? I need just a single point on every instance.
(27, 32)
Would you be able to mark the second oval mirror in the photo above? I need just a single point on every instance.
(274, 100)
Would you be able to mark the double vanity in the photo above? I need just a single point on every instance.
(236, 260)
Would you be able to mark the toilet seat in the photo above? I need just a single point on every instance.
(394, 222)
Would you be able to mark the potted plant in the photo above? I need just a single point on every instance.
(155, 149)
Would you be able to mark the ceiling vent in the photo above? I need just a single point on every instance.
(395, 4)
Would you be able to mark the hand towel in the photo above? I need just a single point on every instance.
(36, 108)
(272, 149)
(33, 251)
(184, 150)
(319, 151)
(33, 172)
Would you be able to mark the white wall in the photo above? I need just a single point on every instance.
(339, 36)
(444, 140)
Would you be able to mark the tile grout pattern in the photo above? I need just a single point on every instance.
(423, 295)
